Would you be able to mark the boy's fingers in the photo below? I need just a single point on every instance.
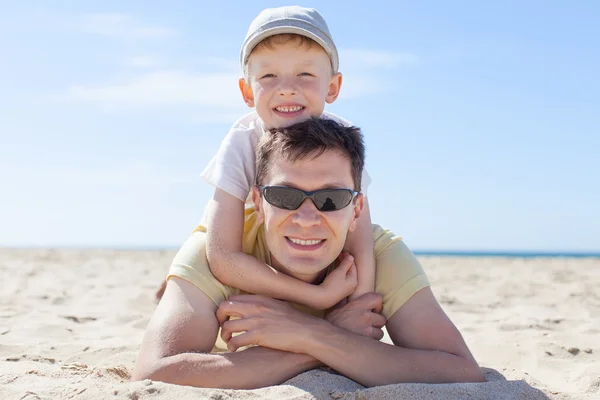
(347, 263)
(352, 272)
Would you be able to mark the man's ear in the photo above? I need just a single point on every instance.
(357, 209)
(246, 91)
(257, 200)
(335, 85)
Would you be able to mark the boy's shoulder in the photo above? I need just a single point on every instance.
(252, 122)
(248, 121)
(336, 118)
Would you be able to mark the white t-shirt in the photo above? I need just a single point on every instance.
(233, 168)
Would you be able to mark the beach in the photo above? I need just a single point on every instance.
(71, 322)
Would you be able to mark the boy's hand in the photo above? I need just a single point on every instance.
(339, 284)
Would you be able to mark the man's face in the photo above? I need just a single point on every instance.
(322, 235)
(289, 83)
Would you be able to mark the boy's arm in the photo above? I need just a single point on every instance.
(230, 265)
(360, 245)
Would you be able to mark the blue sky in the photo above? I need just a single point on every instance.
(481, 119)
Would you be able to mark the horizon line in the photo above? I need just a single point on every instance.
(418, 252)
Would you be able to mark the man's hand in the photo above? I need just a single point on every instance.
(361, 316)
(339, 284)
(265, 322)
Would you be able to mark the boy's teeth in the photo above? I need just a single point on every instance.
(289, 108)
(305, 242)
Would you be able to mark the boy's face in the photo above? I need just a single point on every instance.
(289, 82)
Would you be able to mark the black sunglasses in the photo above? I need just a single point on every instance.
(291, 199)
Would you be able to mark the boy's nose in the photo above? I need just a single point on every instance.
(286, 87)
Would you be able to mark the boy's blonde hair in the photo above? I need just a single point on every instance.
(280, 39)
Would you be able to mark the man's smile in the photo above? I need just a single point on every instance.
(305, 244)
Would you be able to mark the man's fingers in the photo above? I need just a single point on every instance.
(229, 308)
(377, 303)
(341, 304)
(256, 299)
(235, 326)
(245, 339)
(250, 298)
(368, 301)
(379, 320)
(376, 333)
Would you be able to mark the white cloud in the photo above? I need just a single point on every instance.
(228, 116)
(169, 88)
(367, 59)
(228, 64)
(360, 84)
(133, 172)
(364, 73)
(121, 26)
(142, 61)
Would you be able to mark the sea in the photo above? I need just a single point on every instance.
(516, 254)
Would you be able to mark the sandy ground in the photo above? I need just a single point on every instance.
(71, 322)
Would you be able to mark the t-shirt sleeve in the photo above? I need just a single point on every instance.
(190, 264)
(366, 178)
(232, 169)
(399, 274)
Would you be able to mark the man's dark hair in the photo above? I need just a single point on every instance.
(311, 138)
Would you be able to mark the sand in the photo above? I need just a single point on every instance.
(71, 322)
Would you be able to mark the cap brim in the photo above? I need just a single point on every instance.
(252, 43)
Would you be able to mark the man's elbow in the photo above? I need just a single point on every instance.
(473, 373)
(155, 371)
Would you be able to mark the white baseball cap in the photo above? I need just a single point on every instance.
(290, 19)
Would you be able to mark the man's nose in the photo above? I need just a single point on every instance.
(287, 86)
(307, 214)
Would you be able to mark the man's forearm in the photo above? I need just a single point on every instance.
(374, 363)
(249, 369)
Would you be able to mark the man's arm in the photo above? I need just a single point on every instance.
(433, 350)
(230, 265)
(183, 331)
(428, 348)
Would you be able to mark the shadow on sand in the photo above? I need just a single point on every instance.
(325, 385)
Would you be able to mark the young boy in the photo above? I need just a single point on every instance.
(290, 66)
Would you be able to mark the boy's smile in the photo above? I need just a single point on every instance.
(289, 81)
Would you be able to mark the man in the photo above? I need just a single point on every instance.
(306, 201)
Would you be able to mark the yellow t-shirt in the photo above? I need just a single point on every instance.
(399, 274)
